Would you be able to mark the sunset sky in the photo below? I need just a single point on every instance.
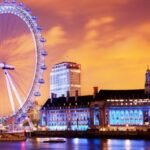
(109, 38)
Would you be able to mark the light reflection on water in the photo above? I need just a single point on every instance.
(78, 144)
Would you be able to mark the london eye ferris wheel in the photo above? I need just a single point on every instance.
(22, 55)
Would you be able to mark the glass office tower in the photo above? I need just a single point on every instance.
(65, 77)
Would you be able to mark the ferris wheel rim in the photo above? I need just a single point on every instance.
(25, 15)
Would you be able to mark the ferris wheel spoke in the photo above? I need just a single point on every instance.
(14, 78)
(14, 90)
(9, 92)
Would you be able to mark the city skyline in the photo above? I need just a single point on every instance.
(75, 73)
(110, 39)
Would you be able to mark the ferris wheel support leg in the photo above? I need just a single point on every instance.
(15, 90)
(30, 123)
(9, 92)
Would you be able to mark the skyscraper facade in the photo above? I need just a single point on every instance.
(65, 78)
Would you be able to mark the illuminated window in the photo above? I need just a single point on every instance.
(125, 116)
(96, 116)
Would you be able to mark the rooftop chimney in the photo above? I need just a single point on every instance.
(76, 95)
(52, 97)
(67, 97)
(95, 91)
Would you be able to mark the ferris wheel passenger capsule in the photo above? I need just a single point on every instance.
(42, 40)
(37, 94)
(39, 28)
(44, 53)
(21, 4)
(41, 81)
(34, 17)
(13, 1)
(6, 1)
(28, 10)
(43, 67)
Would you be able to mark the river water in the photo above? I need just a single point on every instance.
(78, 144)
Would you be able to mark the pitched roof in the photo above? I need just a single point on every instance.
(103, 95)
(62, 101)
(121, 94)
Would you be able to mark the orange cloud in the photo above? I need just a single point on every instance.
(121, 65)
(144, 31)
(56, 35)
(100, 21)
(92, 34)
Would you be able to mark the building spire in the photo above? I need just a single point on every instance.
(147, 81)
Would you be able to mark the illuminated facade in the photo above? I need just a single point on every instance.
(109, 108)
(126, 116)
(118, 108)
(65, 77)
(63, 114)
(104, 110)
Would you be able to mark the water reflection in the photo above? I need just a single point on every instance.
(127, 144)
(78, 144)
(23, 146)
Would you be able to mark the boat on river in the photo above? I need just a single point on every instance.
(55, 140)
(12, 137)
